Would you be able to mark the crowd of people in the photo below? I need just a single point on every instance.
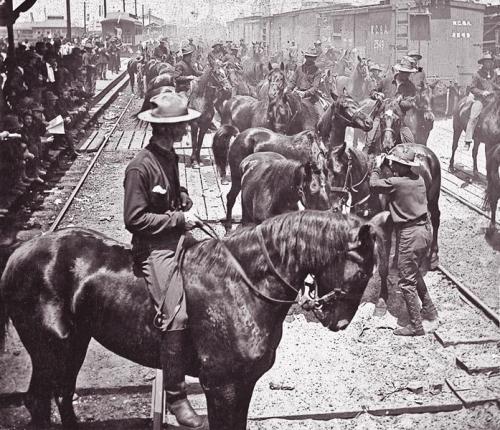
(45, 90)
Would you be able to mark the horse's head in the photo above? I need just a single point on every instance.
(391, 120)
(312, 187)
(218, 78)
(362, 67)
(277, 81)
(279, 114)
(342, 282)
(349, 112)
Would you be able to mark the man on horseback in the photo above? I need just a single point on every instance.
(484, 83)
(407, 201)
(306, 78)
(161, 51)
(231, 58)
(375, 78)
(216, 53)
(156, 212)
(184, 71)
(398, 84)
(418, 78)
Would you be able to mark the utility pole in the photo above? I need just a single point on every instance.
(10, 32)
(105, 9)
(123, 5)
(68, 19)
(143, 17)
(85, 17)
(135, 8)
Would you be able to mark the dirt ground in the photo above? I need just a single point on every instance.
(316, 371)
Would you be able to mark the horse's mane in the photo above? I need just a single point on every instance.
(300, 105)
(278, 177)
(295, 235)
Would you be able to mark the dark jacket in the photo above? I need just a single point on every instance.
(407, 195)
(306, 78)
(183, 69)
(481, 82)
(390, 88)
(152, 200)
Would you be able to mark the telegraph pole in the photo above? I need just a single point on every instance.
(135, 8)
(105, 10)
(123, 5)
(10, 31)
(68, 19)
(143, 17)
(85, 17)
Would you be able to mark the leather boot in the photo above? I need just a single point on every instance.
(415, 327)
(173, 351)
(428, 312)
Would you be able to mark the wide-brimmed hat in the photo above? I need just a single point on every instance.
(403, 155)
(168, 108)
(374, 66)
(88, 46)
(37, 107)
(311, 52)
(186, 50)
(485, 57)
(406, 64)
(218, 43)
(234, 47)
(318, 42)
(415, 54)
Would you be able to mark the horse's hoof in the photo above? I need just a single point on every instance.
(195, 165)
(451, 169)
(434, 263)
(380, 308)
(224, 181)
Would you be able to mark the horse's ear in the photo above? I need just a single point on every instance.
(270, 66)
(344, 92)
(334, 95)
(328, 73)
(360, 59)
(282, 66)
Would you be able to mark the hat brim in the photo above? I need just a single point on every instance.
(310, 55)
(401, 161)
(482, 60)
(417, 56)
(187, 52)
(404, 69)
(148, 117)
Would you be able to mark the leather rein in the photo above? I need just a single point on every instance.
(349, 188)
(307, 299)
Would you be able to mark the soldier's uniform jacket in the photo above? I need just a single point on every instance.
(182, 68)
(408, 196)
(231, 59)
(215, 55)
(482, 81)
(160, 51)
(391, 88)
(419, 78)
(306, 78)
(152, 200)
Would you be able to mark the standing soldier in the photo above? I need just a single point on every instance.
(156, 212)
(161, 51)
(243, 48)
(184, 71)
(88, 64)
(292, 56)
(407, 200)
(418, 78)
(232, 58)
(484, 83)
(375, 77)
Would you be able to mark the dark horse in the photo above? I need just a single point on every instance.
(493, 187)
(272, 185)
(348, 176)
(63, 288)
(305, 147)
(487, 129)
(202, 97)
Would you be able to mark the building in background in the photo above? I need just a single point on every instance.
(123, 25)
(448, 33)
(53, 26)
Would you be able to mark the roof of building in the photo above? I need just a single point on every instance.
(121, 16)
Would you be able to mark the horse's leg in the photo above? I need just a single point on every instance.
(132, 80)
(39, 394)
(72, 360)
(436, 222)
(201, 135)
(475, 150)
(231, 199)
(228, 405)
(381, 307)
(457, 131)
(194, 143)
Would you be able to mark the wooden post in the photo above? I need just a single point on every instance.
(158, 400)
(105, 10)
(123, 5)
(68, 19)
(84, 17)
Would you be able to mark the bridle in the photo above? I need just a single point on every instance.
(349, 188)
(309, 300)
(338, 114)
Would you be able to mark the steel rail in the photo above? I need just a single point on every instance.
(82, 180)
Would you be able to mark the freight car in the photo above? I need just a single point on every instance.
(447, 33)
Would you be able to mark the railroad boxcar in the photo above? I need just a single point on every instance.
(448, 34)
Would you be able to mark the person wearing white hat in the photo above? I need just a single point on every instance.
(407, 202)
(157, 213)
(484, 83)
(184, 70)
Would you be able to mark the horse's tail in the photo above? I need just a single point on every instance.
(220, 146)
